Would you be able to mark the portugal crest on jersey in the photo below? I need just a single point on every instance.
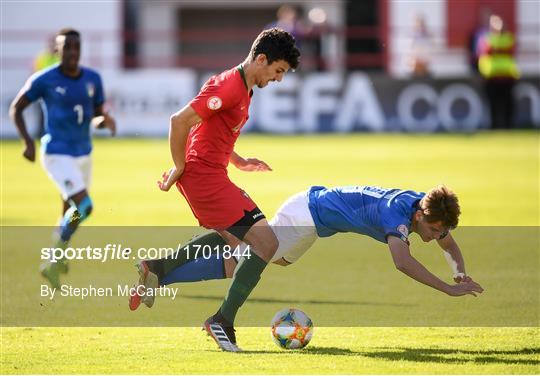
(214, 103)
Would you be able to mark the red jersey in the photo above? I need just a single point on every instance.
(222, 104)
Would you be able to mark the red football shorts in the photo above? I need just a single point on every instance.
(214, 199)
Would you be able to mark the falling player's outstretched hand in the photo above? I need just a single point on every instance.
(169, 178)
(462, 278)
(465, 288)
(252, 164)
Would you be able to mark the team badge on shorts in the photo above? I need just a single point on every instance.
(214, 103)
(68, 184)
(403, 230)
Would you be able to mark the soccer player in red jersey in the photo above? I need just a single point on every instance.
(202, 137)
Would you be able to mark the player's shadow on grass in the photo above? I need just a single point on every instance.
(305, 301)
(455, 355)
(310, 350)
(316, 350)
(421, 355)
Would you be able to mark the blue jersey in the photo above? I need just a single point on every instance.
(68, 106)
(372, 211)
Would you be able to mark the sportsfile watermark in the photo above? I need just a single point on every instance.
(342, 280)
(112, 252)
(90, 291)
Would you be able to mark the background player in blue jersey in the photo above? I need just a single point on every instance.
(72, 100)
(387, 215)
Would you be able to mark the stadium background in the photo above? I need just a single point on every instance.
(154, 56)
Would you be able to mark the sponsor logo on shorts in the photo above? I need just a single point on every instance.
(258, 215)
(68, 184)
(403, 230)
(214, 103)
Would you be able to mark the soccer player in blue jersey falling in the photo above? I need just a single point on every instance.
(72, 100)
(386, 215)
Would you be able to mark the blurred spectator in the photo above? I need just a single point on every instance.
(47, 57)
(287, 18)
(498, 67)
(421, 48)
(319, 36)
(476, 36)
(308, 35)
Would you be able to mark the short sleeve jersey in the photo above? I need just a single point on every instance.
(367, 210)
(68, 106)
(223, 105)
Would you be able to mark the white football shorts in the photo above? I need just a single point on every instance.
(70, 174)
(294, 228)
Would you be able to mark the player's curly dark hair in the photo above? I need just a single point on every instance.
(68, 31)
(441, 204)
(276, 44)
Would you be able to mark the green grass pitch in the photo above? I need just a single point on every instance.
(496, 176)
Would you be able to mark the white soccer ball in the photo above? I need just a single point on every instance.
(291, 329)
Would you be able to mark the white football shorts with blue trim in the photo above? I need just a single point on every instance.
(294, 228)
(70, 174)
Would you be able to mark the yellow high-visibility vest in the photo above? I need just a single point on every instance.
(500, 63)
(45, 60)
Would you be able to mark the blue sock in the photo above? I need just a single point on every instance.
(73, 217)
(200, 269)
(69, 223)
